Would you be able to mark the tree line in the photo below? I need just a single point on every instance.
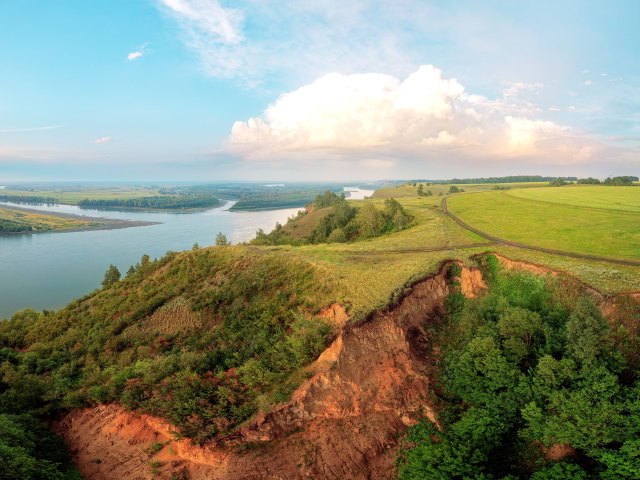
(9, 226)
(621, 181)
(28, 199)
(507, 179)
(156, 203)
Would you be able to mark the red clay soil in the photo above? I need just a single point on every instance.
(344, 422)
(558, 452)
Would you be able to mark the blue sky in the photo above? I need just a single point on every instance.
(309, 90)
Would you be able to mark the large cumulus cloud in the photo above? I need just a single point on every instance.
(376, 114)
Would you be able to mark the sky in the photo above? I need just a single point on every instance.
(219, 90)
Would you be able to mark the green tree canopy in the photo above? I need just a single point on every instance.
(111, 276)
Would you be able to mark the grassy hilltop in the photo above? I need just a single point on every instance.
(206, 338)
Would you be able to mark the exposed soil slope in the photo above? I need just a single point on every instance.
(342, 423)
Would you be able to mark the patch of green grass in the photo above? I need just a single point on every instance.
(605, 277)
(608, 233)
(600, 196)
(18, 220)
(73, 195)
(407, 191)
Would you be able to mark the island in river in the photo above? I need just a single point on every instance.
(15, 220)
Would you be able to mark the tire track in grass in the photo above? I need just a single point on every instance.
(502, 241)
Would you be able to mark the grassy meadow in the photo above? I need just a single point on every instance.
(14, 220)
(408, 190)
(70, 195)
(626, 199)
(582, 229)
(369, 273)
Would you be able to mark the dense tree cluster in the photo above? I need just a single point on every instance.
(340, 222)
(161, 202)
(558, 182)
(29, 200)
(28, 451)
(9, 226)
(620, 181)
(531, 365)
(588, 181)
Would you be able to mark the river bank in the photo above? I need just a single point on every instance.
(37, 221)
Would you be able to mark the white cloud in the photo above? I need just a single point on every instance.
(134, 55)
(587, 82)
(103, 140)
(376, 114)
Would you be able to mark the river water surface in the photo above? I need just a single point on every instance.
(48, 270)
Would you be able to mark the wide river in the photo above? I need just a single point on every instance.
(48, 270)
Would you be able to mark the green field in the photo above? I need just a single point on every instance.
(13, 220)
(402, 191)
(609, 198)
(390, 262)
(71, 195)
(580, 229)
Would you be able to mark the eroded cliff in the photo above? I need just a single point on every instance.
(343, 422)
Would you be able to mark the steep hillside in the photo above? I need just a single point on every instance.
(377, 379)
(202, 338)
(343, 422)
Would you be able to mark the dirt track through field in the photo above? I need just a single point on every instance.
(419, 250)
(509, 243)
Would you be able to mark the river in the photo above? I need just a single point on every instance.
(48, 270)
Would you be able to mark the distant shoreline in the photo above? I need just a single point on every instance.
(97, 223)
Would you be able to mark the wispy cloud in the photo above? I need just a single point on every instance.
(134, 55)
(213, 31)
(138, 52)
(30, 129)
(292, 38)
(103, 140)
